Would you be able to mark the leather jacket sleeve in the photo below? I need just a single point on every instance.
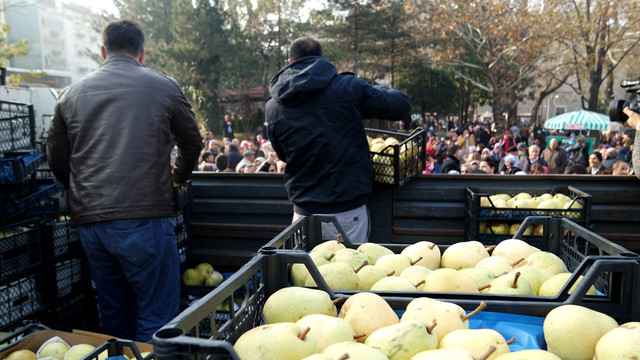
(188, 140)
(57, 139)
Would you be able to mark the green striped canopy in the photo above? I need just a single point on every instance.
(580, 120)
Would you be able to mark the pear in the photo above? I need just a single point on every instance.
(214, 279)
(482, 276)
(53, 349)
(444, 354)
(403, 340)
(497, 264)
(462, 255)
(550, 204)
(394, 262)
(477, 341)
(356, 351)
(545, 196)
(281, 341)
(572, 331)
(22, 354)
(393, 283)
(621, 343)
(535, 277)
(370, 275)
(367, 312)
(322, 357)
(532, 354)
(351, 256)
(554, 284)
(513, 229)
(504, 197)
(329, 246)
(338, 275)
(192, 277)
(205, 269)
(426, 253)
(562, 197)
(546, 261)
(511, 284)
(447, 315)
(499, 203)
(299, 272)
(416, 274)
(523, 195)
(449, 280)
(79, 351)
(291, 304)
(327, 330)
(373, 251)
(514, 249)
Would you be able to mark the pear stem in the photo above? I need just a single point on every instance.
(474, 312)
(511, 341)
(430, 328)
(416, 261)
(364, 263)
(339, 238)
(344, 357)
(515, 263)
(490, 248)
(486, 355)
(304, 333)
(336, 301)
(515, 280)
(391, 273)
(484, 287)
(420, 283)
(432, 246)
(330, 257)
(358, 336)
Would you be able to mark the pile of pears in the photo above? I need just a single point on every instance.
(513, 267)
(383, 165)
(202, 274)
(525, 200)
(304, 324)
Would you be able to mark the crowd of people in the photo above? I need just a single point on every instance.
(476, 148)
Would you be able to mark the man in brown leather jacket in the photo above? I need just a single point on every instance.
(110, 142)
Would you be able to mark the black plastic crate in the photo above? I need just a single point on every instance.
(18, 203)
(20, 248)
(17, 127)
(397, 164)
(16, 167)
(182, 195)
(21, 299)
(63, 238)
(479, 208)
(183, 235)
(75, 312)
(116, 347)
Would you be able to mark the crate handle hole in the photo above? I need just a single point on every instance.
(169, 333)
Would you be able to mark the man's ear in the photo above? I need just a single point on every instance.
(141, 56)
(103, 52)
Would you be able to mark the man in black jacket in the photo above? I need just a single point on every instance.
(315, 126)
(452, 162)
(110, 142)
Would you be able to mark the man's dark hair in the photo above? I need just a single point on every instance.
(452, 150)
(576, 169)
(123, 36)
(304, 46)
(233, 147)
(222, 162)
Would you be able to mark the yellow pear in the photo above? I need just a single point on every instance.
(554, 284)
(281, 341)
(53, 349)
(447, 315)
(572, 331)
(329, 246)
(298, 274)
(78, 351)
(416, 274)
(403, 340)
(514, 249)
(367, 312)
(621, 343)
(423, 253)
(497, 264)
(532, 354)
(393, 283)
(338, 275)
(477, 341)
(546, 261)
(511, 284)
(355, 350)
(350, 256)
(482, 276)
(292, 303)
(327, 330)
(394, 262)
(373, 251)
(465, 254)
(23, 354)
(535, 277)
(444, 354)
(370, 275)
(449, 280)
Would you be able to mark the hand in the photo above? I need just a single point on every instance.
(272, 158)
(634, 118)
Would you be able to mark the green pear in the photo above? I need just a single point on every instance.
(53, 349)
(621, 343)
(503, 197)
(367, 312)
(482, 276)
(447, 315)
(78, 351)
(291, 304)
(338, 275)
(329, 246)
(449, 280)
(327, 330)
(416, 274)
(511, 284)
(214, 279)
(403, 340)
(394, 262)
(299, 272)
(497, 264)
(321, 357)
(554, 284)
(546, 261)
(205, 269)
(477, 341)
(545, 196)
(444, 354)
(514, 249)
(572, 331)
(281, 341)
(355, 350)
(535, 277)
(532, 354)
(482, 228)
(523, 195)
(393, 283)
(370, 275)
(562, 197)
(351, 256)
(550, 204)
(462, 255)
(373, 251)
(192, 277)
(423, 253)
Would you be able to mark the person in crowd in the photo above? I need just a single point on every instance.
(234, 156)
(507, 141)
(430, 164)
(579, 152)
(537, 169)
(570, 142)
(534, 158)
(451, 162)
(207, 163)
(513, 151)
(511, 164)
(595, 164)
(620, 167)
(214, 147)
(466, 141)
(524, 134)
(610, 157)
(328, 165)
(259, 161)
(497, 152)
(222, 163)
(121, 190)
(576, 169)
(465, 169)
(555, 156)
(227, 128)
(208, 136)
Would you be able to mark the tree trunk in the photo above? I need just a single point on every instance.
(498, 117)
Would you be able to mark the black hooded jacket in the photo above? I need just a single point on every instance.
(315, 125)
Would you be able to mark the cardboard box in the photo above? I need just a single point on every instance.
(35, 340)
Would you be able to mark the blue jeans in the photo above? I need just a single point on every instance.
(134, 265)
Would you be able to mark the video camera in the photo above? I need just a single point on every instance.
(616, 106)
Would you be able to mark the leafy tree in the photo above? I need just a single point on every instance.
(9, 51)
(429, 89)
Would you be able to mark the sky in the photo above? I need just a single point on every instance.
(96, 5)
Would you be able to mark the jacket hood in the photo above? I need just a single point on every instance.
(302, 80)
